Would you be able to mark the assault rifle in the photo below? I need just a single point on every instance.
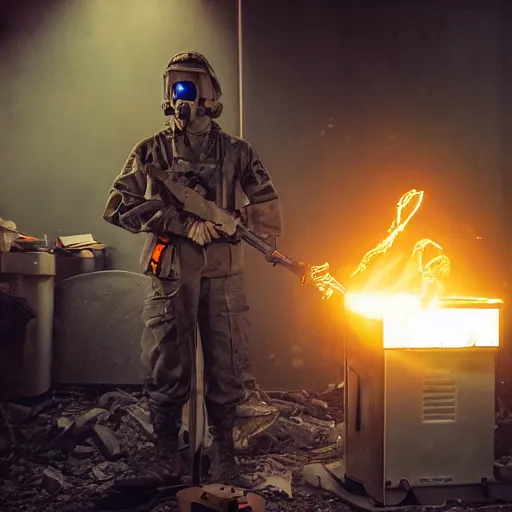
(190, 201)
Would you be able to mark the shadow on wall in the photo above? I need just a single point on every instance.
(81, 84)
(350, 105)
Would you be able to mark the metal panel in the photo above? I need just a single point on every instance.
(98, 328)
(448, 439)
(364, 404)
(439, 399)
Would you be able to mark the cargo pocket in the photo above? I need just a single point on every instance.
(237, 312)
(236, 300)
(159, 319)
(158, 312)
(170, 267)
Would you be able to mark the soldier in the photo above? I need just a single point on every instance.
(196, 271)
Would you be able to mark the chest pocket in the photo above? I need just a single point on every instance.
(199, 176)
(229, 192)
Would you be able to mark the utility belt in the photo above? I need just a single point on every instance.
(223, 257)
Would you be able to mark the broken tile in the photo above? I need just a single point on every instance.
(99, 474)
(107, 442)
(91, 416)
(83, 452)
(63, 422)
(52, 480)
(108, 470)
(141, 416)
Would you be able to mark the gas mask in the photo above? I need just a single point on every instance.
(184, 101)
(191, 91)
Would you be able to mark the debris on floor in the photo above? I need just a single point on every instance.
(69, 450)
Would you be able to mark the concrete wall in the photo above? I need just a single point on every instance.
(350, 104)
(81, 83)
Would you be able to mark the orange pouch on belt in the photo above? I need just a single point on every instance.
(158, 252)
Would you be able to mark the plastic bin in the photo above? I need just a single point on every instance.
(31, 275)
(14, 317)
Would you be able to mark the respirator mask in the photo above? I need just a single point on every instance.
(190, 90)
(184, 101)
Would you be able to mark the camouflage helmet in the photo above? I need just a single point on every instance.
(189, 61)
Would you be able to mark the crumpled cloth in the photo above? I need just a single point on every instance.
(8, 233)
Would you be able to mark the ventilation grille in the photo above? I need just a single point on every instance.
(439, 399)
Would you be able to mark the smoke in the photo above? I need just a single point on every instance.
(81, 85)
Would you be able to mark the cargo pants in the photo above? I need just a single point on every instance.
(171, 312)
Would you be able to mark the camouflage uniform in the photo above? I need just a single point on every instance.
(194, 285)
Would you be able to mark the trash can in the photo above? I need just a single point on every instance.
(14, 317)
(30, 276)
(73, 263)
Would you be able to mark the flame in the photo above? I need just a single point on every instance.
(418, 320)
(439, 266)
(324, 281)
(430, 271)
(412, 321)
(397, 226)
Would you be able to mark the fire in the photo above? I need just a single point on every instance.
(439, 266)
(424, 320)
(324, 281)
(397, 226)
(410, 321)
(382, 306)
(430, 271)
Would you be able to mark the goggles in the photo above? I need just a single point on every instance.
(184, 91)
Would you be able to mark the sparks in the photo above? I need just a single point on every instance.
(397, 226)
(324, 281)
(431, 270)
(438, 266)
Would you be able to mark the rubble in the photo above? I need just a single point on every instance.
(107, 441)
(82, 452)
(142, 417)
(52, 480)
(70, 451)
(73, 446)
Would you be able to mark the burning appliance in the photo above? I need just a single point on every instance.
(419, 407)
(419, 402)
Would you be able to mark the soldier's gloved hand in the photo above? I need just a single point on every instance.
(202, 232)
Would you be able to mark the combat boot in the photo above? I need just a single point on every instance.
(225, 468)
(164, 467)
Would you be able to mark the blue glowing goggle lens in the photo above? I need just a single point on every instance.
(185, 91)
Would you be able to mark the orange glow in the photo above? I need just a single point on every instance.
(324, 281)
(397, 226)
(409, 321)
(439, 266)
(425, 320)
